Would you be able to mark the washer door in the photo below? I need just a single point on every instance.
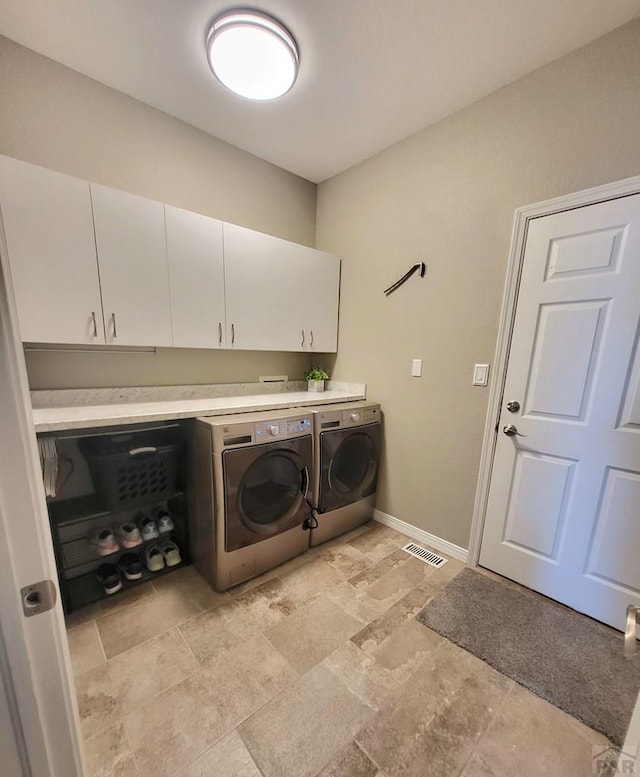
(348, 465)
(265, 490)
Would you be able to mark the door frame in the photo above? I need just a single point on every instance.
(34, 652)
(523, 216)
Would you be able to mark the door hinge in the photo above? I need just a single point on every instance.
(38, 597)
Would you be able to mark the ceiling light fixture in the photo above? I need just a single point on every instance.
(252, 54)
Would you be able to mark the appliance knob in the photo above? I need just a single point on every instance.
(355, 416)
(273, 430)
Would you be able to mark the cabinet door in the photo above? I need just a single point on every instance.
(196, 278)
(263, 289)
(321, 272)
(134, 276)
(48, 227)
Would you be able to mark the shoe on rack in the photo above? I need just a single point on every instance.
(131, 566)
(148, 527)
(164, 521)
(128, 535)
(103, 541)
(109, 578)
(154, 558)
(171, 553)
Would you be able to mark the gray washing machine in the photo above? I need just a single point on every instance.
(251, 476)
(347, 439)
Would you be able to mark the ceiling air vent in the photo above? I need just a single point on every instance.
(428, 556)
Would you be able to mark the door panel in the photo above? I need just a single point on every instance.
(134, 276)
(262, 287)
(196, 273)
(48, 228)
(348, 465)
(617, 517)
(584, 254)
(562, 514)
(630, 415)
(264, 490)
(539, 490)
(567, 340)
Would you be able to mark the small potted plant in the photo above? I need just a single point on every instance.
(315, 378)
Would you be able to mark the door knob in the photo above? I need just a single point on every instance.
(513, 406)
(512, 431)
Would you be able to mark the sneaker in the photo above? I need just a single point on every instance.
(128, 535)
(171, 553)
(131, 566)
(163, 518)
(103, 541)
(154, 558)
(147, 526)
(109, 578)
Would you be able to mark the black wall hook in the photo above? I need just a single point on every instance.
(419, 266)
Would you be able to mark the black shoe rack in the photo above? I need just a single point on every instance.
(114, 477)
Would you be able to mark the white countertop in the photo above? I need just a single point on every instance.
(53, 419)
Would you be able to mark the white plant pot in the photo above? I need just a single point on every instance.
(315, 385)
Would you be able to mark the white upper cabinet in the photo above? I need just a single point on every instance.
(318, 313)
(279, 295)
(50, 243)
(94, 265)
(196, 277)
(134, 275)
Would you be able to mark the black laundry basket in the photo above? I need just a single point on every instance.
(133, 469)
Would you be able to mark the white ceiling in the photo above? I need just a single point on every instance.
(372, 71)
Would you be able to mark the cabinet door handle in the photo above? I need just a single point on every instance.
(220, 333)
(233, 334)
(95, 323)
(311, 338)
(302, 343)
(113, 322)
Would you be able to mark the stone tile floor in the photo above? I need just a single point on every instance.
(316, 669)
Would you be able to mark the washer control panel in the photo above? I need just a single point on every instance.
(280, 428)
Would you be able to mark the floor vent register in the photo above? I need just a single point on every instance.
(428, 556)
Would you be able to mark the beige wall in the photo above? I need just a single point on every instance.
(54, 117)
(447, 196)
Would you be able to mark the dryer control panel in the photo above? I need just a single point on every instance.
(356, 417)
(347, 415)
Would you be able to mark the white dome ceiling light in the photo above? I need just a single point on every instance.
(252, 54)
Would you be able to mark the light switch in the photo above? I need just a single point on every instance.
(481, 375)
(416, 368)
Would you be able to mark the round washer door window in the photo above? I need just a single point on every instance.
(352, 465)
(270, 490)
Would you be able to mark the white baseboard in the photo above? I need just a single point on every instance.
(420, 535)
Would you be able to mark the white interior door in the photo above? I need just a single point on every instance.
(563, 513)
(36, 686)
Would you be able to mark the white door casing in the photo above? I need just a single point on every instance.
(562, 508)
(36, 664)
